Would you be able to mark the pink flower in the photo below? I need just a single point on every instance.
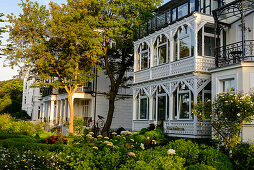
(132, 154)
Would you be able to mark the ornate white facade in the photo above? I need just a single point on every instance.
(173, 59)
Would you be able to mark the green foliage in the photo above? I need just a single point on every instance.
(14, 158)
(243, 156)
(186, 149)
(78, 124)
(11, 96)
(10, 125)
(199, 166)
(228, 113)
(214, 158)
(140, 138)
(2, 29)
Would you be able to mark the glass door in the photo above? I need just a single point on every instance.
(162, 107)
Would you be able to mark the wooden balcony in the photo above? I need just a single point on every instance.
(183, 66)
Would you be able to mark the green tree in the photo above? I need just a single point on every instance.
(11, 96)
(58, 44)
(228, 112)
(117, 23)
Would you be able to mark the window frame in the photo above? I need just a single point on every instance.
(140, 97)
(156, 61)
(140, 53)
(176, 45)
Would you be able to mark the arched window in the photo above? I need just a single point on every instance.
(143, 56)
(161, 50)
(142, 106)
(183, 43)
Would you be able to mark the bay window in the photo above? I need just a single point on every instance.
(143, 57)
(161, 50)
(183, 43)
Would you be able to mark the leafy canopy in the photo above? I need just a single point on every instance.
(56, 42)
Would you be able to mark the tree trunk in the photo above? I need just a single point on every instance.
(111, 109)
(71, 113)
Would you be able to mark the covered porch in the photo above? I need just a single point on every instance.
(171, 103)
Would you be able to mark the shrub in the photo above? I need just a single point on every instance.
(199, 166)
(214, 158)
(140, 138)
(25, 145)
(56, 140)
(243, 156)
(186, 149)
(14, 158)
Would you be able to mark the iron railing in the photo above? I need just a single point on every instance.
(235, 53)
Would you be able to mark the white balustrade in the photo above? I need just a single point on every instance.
(140, 124)
(186, 65)
(187, 128)
(204, 64)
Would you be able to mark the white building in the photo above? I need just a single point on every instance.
(51, 105)
(174, 63)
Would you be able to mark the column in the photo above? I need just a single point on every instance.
(66, 109)
(51, 118)
(61, 112)
(195, 123)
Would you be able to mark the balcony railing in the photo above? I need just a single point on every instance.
(186, 65)
(235, 53)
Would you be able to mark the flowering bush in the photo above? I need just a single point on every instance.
(227, 114)
(14, 158)
(56, 140)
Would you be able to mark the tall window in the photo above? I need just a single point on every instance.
(85, 108)
(143, 56)
(206, 41)
(183, 43)
(182, 104)
(161, 50)
(160, 105)
(143, 106)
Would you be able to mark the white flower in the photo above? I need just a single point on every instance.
(126, 133)
(238, 114)
(171, 152)
(142, 146)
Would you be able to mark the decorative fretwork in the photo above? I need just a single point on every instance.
(167, 87)
(183, 66)
(190, 83)
(161, 71)
(136, 91)
(153, 89)
(201, 83)
(204, 64)
(174, 85)
(147, 90)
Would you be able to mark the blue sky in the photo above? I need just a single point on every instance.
(11, 6)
